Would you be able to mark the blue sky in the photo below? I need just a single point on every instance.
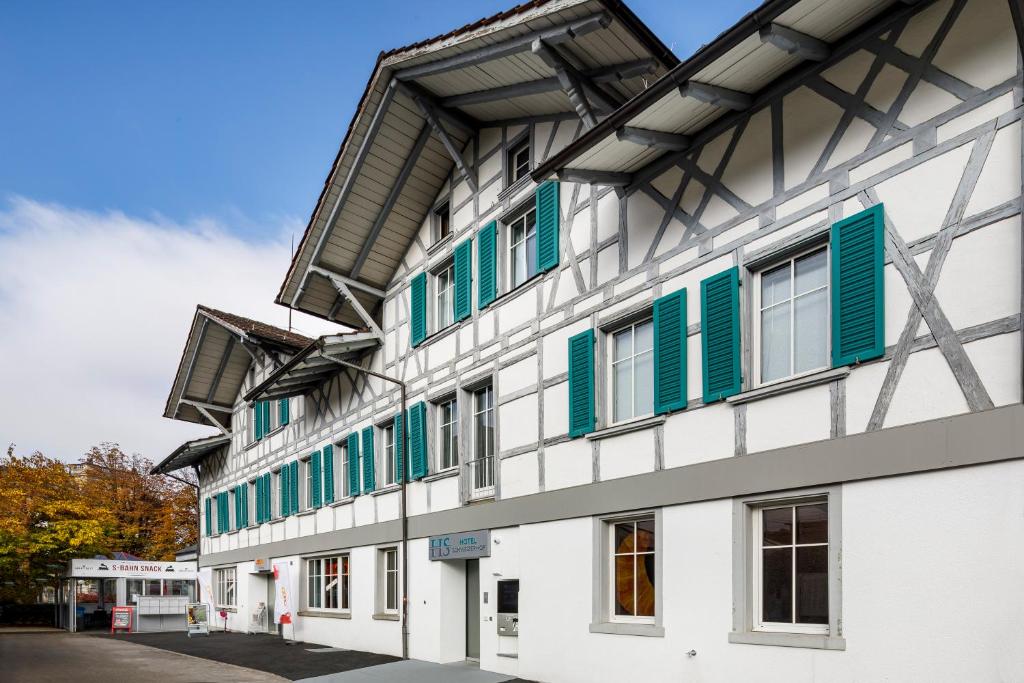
(226, 109)
(157, 155)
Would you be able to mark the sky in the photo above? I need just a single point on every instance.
(158, 155)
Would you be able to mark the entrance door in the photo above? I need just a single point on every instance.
(271, 595)
(473, 609)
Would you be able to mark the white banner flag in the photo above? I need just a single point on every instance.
(282, 595)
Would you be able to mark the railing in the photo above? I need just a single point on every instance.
(480, 474)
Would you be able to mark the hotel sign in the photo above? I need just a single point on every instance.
(467, 545)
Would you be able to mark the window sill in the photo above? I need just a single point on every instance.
(442, 333)
(344, 501)
(805, 640)
(325, 615)
(439, 244)
(795, 384)
(623, 629)
(385, 616)
(515, 187)
(443, 474)
(627, 427)
(390, 488)
(265, 436)
(306, 513)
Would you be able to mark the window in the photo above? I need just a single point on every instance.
(442, 222)
(275, 495)
(327, 583)
(233, 506)
(444, 281)
(522, 245)
(345, 465)
(791, 567)
(519, 160)
(793, 309)
(387, 581)
(224, 587)
(448, 431)
(388, 437)
(632, 370)
(180, 588)
(307, 490)
(482, 465)
(786, 570)
(250, 502)
(632, 570)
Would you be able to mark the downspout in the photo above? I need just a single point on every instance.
(405, 481)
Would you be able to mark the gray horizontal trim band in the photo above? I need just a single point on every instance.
(989, 436)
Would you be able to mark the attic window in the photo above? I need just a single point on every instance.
(518, 160)
(442, 222)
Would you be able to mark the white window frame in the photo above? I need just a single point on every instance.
(757, 578)
(343, 461)
(232, 516)
(510, 246)
(510, 160)
(746, 627)
(756, 311)
(275, 494)
(306, 490)
(488, 489)
(387, 440)
(382, 609)
(454, 434)
(632, 375)
(343, 579)
(604, 618)
(444, 316)
(250, 502)
(224, 578)
(440, 211)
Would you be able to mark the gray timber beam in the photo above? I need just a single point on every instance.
(605, 74)
(580, 88)
(344, 291)
(209, 406)
(228, 348)
(192, 363)
(357, 164)
(351, 282)
(795, 43)
(553, 35)
(431, 115)
(214, 421)
(465, 122)
(389, 203)
(669, 142)
(582, 175)
(716, 95)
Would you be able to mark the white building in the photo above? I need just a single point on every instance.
(819, 480)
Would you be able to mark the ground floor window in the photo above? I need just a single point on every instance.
(327, 583)
(786, 569)
(387, 581)
(224, 586)
(627, 575)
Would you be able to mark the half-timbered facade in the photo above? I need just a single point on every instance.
(722, 357)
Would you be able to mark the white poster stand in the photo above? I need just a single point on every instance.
(198, 617)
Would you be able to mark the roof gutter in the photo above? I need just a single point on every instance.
(677, 76)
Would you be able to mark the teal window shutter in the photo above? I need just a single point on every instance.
(487, 264)
(670, 352)
(353, 464)
(286, 491)
(293, 479)
(282, 411)
(257, 420)
(314, 462)
(399, 447)
(546, 199)
(463, 299)
(209, 516)
(222, 512)
(369, 480)
(858, 287)
(418, 441)
(418, 296)
(581, 383)
(328, 467)
(720, 335)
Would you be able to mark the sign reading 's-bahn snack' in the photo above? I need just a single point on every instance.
(466, 545)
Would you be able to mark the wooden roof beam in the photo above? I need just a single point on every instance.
(522, 43)
(605, 74)
(343, 291)
(669, 142)
(795, 43)
(389, 203)
(430, 113)
(716, 95)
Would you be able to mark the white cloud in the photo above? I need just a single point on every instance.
(94, 312)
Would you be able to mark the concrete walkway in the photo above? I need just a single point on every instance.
(413, 671)
(60, 657)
